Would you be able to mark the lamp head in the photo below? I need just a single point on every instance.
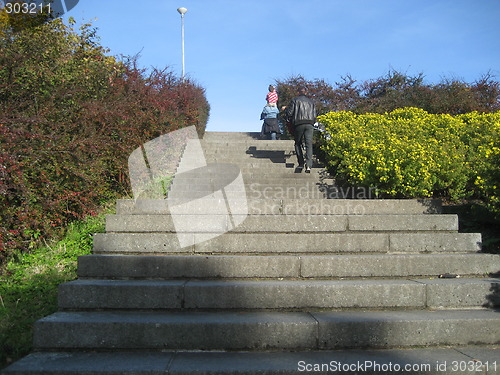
(182, 10)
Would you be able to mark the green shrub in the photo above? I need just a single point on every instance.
(70, 115)
(481, 134)
(411, 153)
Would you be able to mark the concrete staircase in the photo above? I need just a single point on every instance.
(304, 284)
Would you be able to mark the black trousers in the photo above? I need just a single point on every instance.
(304, 133)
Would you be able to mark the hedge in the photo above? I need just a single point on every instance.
(70, 115)
(410, 153)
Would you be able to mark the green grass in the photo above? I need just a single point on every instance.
(28, 285)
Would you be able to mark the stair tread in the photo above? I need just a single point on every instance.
(286, 223)
(281, 265)
(425, 360)
(278, 294)
(284, 242)
(285, 282)
(270, 317)
(266, 330)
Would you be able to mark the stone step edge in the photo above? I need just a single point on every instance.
(254, 141)
(266, 330)
(291, 205)
(430, 361)
(303, 243)
(274, 183)
(286, 266)
(245, 144)
(291, 295)
(289, 223)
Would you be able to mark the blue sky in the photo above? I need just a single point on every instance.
(236, 48)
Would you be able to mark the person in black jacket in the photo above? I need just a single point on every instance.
(301, 113)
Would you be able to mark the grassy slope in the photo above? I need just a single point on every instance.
(28, 285)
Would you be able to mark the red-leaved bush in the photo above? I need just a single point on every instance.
(70, 115)
(396, 90)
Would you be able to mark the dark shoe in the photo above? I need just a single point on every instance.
(308, 169)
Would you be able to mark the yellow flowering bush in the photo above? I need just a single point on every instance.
(482, 135)
(412, 153)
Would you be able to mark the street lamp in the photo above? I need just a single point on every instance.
(182, 12)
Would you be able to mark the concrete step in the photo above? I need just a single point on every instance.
(249, 152)
(291, 192)
(283, 243)
(282, 176)
(248, 146)
(209, 187)
(244, 151)
(286, 223)
(293, 180)
(271, 188)
(237, 139)
(257, 155)
(299, 180)
(255, 174)
(417, 361)
(259, 203)
(262, 146)
(257, 171)
(280, 295)
(263, 157)
(223, 330)
(266, 156)
(215, 136)
(267, 152)
(248, 162)
(252, 162)
(286, 266)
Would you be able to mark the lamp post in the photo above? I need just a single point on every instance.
(182, 11)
